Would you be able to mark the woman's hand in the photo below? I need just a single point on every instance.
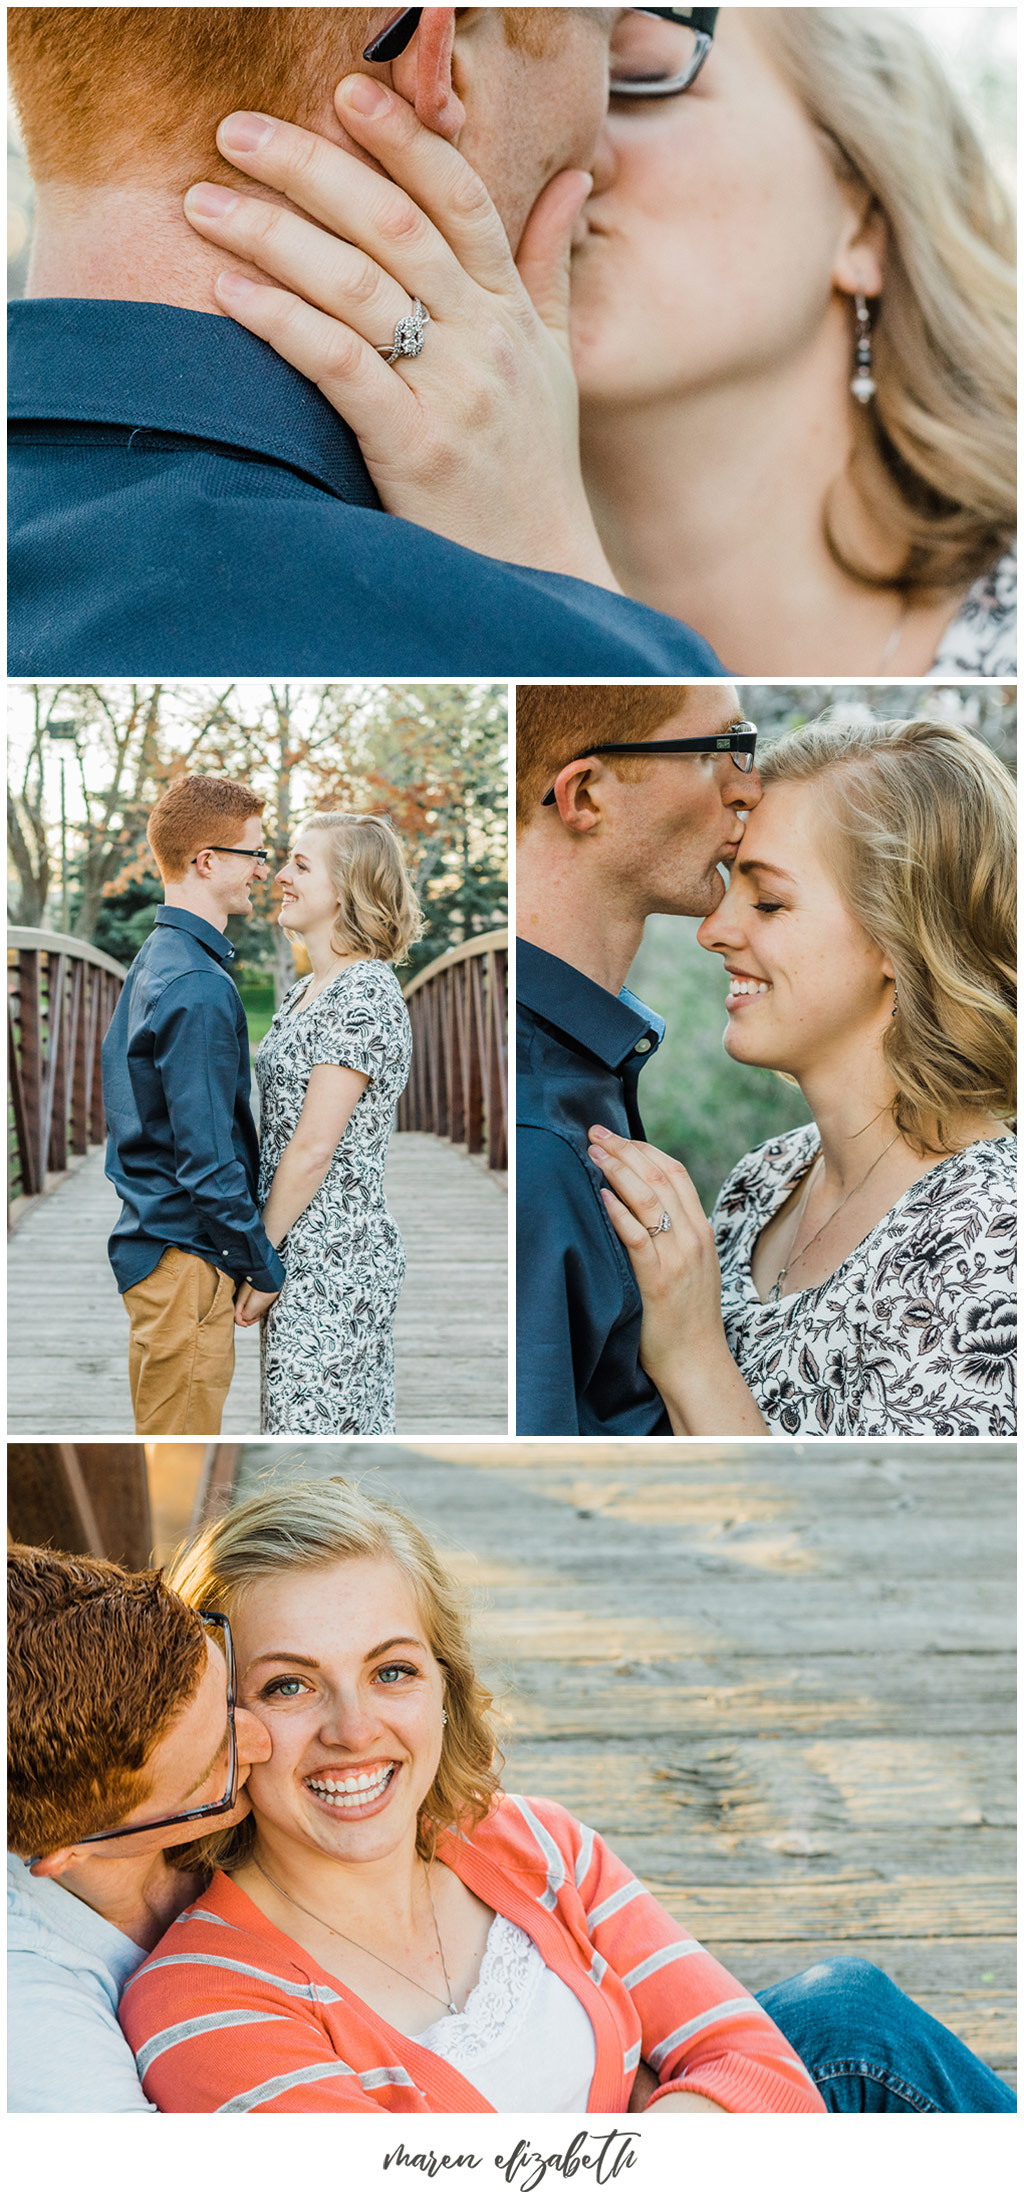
(683, 1345)
(476, 438)
(252, 1304)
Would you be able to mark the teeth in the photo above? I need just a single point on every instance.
(747, 989)
(358, 1788)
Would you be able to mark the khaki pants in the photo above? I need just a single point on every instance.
(181, 1354)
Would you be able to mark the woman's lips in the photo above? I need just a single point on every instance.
(358, 1792)
(745, 989)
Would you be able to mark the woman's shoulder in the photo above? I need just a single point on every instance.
(762, 1172)
(982, 637)
(531, 1833)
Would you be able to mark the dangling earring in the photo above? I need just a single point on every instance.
(895, 1001)
(863, 384)
(444, 1718)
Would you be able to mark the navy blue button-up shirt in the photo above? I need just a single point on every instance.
(182, 1151)
(182, 502)
(580, 1053)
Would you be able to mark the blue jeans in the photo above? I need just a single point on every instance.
(868, 2047)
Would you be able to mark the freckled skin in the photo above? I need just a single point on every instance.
(829, 991)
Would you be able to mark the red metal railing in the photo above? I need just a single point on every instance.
(61, 994)
(458, 1087)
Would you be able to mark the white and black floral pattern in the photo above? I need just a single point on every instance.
(915, 1333)
(982, 637)
(327, 1354)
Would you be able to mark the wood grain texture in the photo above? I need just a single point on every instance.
(778, 1678)
(68, 1334)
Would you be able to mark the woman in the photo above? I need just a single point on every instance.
(388, 1932)
(330, 1071)
(793, 327)
(859, 1273)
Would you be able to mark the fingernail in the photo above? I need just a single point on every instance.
(597, 1154)
(231, 286)
(365, 95)
(210, 199)
(245, 132)
(598, 1132)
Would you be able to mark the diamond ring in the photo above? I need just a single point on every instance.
(408, 338)
(662, 1227)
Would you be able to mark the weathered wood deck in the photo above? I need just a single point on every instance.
(68, 1335)
(778, 1678)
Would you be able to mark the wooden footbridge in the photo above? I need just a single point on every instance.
(67, 1331)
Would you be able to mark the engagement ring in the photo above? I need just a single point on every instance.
(662, 1227)
(408, 338)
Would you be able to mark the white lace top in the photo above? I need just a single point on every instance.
(916, 1331)
(982, 637)
(523, 2040)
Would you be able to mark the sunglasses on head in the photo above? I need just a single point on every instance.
(742, 754)
(655, 52)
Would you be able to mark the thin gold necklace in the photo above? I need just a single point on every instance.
(794, 1256)
(388, 1966)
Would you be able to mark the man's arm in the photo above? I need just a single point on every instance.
(569, 1297)
(66, 2049)
(197, 1057)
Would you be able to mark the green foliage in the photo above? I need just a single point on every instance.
(257, 994)
(697, 1103)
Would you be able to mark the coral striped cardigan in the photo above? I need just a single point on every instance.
(230, 2014)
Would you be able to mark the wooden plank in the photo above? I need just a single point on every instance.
(67, 1331)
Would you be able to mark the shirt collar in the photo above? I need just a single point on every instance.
(171, 369)
(614, 1030)
(211, 938)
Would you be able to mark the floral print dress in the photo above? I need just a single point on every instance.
(916, 1331)
(327, 1345)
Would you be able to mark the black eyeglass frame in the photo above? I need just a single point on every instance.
(396, 36)
(702, 22)
(207, 1809)
(742, 757)
(237, 851)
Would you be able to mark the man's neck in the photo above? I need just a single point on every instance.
(563, 907)
(139, 1895)
(188, 897)
(112, 243)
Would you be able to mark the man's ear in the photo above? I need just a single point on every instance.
(51, 1867)
(574, 796)
(423, 74)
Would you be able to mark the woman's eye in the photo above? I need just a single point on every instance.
(389, 1673)
(284, 1690)
(764, 907)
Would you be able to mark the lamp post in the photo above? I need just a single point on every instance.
(61, 733)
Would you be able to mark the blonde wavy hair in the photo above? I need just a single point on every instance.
(379, 912)
(304, 1527)
(921, 836)
(935, 455)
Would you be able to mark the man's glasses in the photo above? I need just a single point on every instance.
(237, 851)
(658, 52)
(655, 52)
(206, 1809)
(741, 754)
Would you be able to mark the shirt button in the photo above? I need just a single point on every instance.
(223, 1253)
(644, 1043)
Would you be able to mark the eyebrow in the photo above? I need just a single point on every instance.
(762, 866)
(312, 1664)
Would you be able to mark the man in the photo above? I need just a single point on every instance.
(609, 831)
(118, 1748)
(183, 501)
(123, 1742)
(182, 1150)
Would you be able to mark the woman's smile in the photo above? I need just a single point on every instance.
(353, 1791)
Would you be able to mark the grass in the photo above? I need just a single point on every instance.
(257, 995)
